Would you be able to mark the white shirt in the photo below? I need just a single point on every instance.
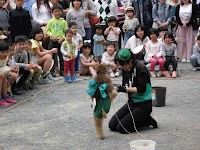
(77, 39)
(42, 15)
(112, 36)
(185, 11)
(153, 49)
(133, 42)
(106, 58)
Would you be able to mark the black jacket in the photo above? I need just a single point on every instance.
(147, 11)
(20, 22)
(192, 19)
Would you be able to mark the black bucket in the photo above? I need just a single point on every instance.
(158, 96)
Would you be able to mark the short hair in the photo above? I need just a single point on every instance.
(72, 24)
(76, 0)
(57, 6)
(153, 31)
(198, 37)
(112, 19)
(35, 30)
(165, 28)
(170, 35)
(3, 46)
(68, 31)
(98, 26)
(109, 44)
(25, 37)
(19, 38)
(86, 45)
(142, 27)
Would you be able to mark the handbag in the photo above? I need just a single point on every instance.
(93, 19)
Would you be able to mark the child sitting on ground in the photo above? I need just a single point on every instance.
(4, 73)
(169, 54)
(21, 59)
(69, 52)
(195, 58)
(35, 69)
(87, 64)
(13, 75)
(108, 59)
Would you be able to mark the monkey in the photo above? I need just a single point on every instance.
(102, 79)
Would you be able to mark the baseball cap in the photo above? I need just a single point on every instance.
(129, 8)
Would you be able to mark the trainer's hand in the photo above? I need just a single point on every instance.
(121, 88)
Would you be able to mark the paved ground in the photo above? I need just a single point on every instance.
(60, 118)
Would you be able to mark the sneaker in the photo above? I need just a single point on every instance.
(17, 91)
(174, 74)
(159, 74)
(116, 74)
(45, 75)
(68, 79)
(153, 75)
(194, 69)
(7, 99)
(166, 73)
(188, 61)
(73, 78)
(112, 75)
(25, 86)
(44, 81)
(50, 77)
(183, 60)
(151, 122)
(3, 103)
(77, 73)
(32, 82)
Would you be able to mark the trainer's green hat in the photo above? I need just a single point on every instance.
(124, 54)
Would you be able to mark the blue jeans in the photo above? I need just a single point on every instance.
(127, 35)
(193, 60)
(77, 61)
(88, 34)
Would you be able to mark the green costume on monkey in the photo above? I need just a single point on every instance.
(102, 100)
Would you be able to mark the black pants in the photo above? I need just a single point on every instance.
(170, 60)
(24, 74)
(53, 44)
(141, 113)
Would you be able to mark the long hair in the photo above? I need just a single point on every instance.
(46, 4)
(35, 30)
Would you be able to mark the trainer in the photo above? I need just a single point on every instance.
(138, 88)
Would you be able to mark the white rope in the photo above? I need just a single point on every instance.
(143, 136)
(26, 100)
